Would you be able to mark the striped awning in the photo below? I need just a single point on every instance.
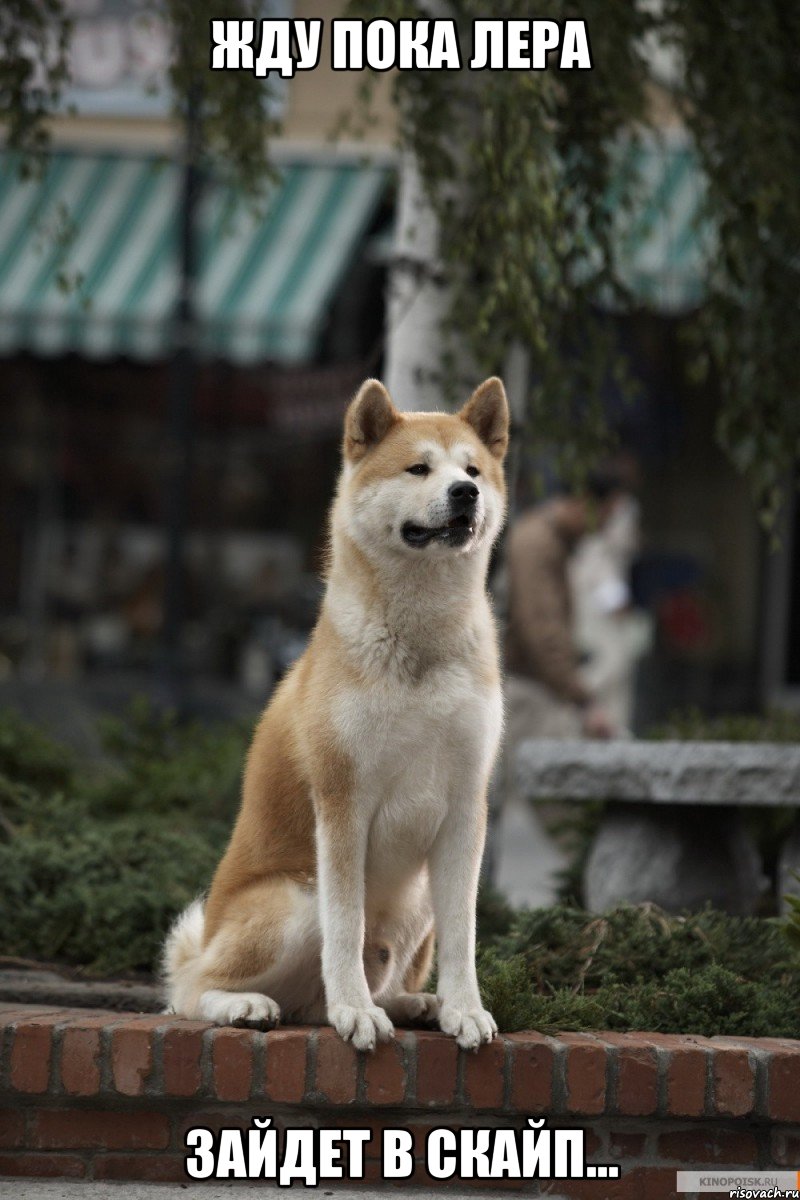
(663, 246)
(88, 257)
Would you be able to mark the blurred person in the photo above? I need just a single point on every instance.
(547, 695)
(611, 634)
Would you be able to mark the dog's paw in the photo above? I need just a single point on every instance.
(413, 1006)
(361, 1026)
(250, 1009)
(469, 1026)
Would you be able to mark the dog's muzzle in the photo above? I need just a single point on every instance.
(462, 499)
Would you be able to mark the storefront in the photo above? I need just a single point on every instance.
(289, 314)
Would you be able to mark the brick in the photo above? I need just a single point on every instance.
(372, 1148)
(418, 1127)
(80, 1061)
(594, 1144)
(687, 1071)
(419, 1130)
(12, 1128)
(10, 1013)
(723, 1042)
(131, 1059)
(654, 1183)
(422, 1178)
(585, 1074)
(623, 1145)
(733, 1083)
(642, 1183)
(785, 1148)
(232, 1063)
(385, 1073)
(637, 1074)
(224, 1118)
(79, 1129)
(153, 1168)
(182, 1055)
(707, 1147)
(784, 1085)
(437, 1064)
(337, 1068)
(373, 1174)
(42, 1166)
(623, 1188)
(532, 1062)
(770, 1044)
(484, 1071)
(285, 1079)
(31, 1054)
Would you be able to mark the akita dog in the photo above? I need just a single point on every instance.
(363, 814)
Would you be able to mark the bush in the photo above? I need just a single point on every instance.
(30, 756)
(100, 895)
(691, 725)
(638, 968)
(159, 765)
(95, 863)
(96, 860)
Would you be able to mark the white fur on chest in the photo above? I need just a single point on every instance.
(416, 750)
(394, 731)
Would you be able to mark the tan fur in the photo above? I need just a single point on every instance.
(303, 771)
(417, 974)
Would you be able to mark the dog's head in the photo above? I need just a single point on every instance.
(424, 484)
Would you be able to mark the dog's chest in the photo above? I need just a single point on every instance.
(392, 731)
(415, 751)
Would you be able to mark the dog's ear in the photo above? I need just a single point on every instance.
(487, 412)
(369, 418)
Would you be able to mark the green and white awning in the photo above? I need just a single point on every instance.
(88, 252)
(88, 257)
(662, 244)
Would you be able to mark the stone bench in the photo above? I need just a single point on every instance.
(672, 832)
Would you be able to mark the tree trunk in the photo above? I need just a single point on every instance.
(417, 300)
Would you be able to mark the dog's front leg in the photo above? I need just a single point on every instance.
(454, 866)
(341, 857)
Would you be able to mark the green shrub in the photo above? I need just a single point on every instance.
(692, 725)
(637, 968)
(160, 765)
(710, 1002)
(30, 756)
(95, 863)
(567, 947)
(100, 894)
(96, 860)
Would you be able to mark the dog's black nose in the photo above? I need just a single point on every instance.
(462, 494)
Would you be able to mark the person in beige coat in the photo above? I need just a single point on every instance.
(545, 688)
(545, 694)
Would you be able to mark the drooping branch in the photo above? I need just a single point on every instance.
(743, 109)
(519, 169)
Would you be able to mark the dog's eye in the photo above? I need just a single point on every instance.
(419, 469)
(472, 471)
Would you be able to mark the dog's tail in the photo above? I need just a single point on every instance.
(182, 950)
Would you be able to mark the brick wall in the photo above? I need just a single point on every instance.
(105, 1095)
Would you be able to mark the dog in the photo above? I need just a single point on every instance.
(363, 812)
